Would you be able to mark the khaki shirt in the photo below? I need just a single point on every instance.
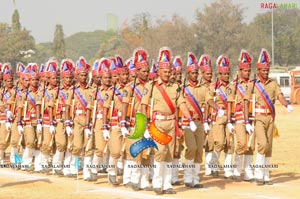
(201, 93)
(129, 93)
(31, 99)
(87, 95)
(226, 90)
(271, 87)
(118, 97)
(237, 95)
(160, 105)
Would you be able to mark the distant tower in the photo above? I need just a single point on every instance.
(112, 22)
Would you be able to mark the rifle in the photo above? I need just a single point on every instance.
(55, 111)
(147, 152)
(25, 104)
(132, 100)
(42, 112)
(252, 113)
(213, 117)
(178, 131)
(233, 108)
(93, 118)
(72, 112)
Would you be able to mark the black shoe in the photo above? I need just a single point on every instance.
(249, 180)
(158, 191)
(198, 186)
(176, 183)
(119, 171)
(236, 178)
(87, 179)
(135, 187)
(45, 171)
(103, 170)
(148, 188)
(215, 174)
(29, 169)
(189, 185)
(58, 172)
(228, 177)
(71, 175)
(112, 179)
(259, 182)
(94, 177)
(170, 191)
(128, 185)
(268, 183)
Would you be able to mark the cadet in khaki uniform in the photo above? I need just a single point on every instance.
(132, 70)
(222, 130)
(27, 120)
(239, 87)
(131, 104)
(102, 95)
(45, 123)
(81, 131)
(196, 96)
(206, 80)
(164, 120)
(57, 106)
(6, 115)
(13, 103)
(115, 142)
(266, 92)
(176, 74)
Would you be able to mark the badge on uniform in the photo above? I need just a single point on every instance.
(106, 97)
(145, 91)
(125, 93)
(228, 91)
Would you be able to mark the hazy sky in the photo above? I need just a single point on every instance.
(41, 16)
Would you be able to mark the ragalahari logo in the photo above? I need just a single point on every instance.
(273, 5)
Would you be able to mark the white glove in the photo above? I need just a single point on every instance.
(106, 135)
(193, 126)
(52, 129)
(230, 127)
(20, 129)
(147, 134)
(289, 108)
(9, 114)
(68, 130)
(124, 131)
(87, 132)
(39, 128)
(249, 128)
(206, 127)
(221, 113)
(7, 126)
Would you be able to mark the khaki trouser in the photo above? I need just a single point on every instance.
(115, 142)
(241, 140)
(165, 153)
(128, 143)
(209, 145)
(15, 136)
(100, 143)
(60, 137)
(30, 135)
(79, 138)
(264, 126)
(194, 143)
(45, 148)
(223, 140)
(3, 135)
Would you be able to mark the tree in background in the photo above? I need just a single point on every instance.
(15, 40)
(59, 49)
(219, 29)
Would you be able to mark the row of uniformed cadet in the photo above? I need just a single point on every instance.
(56, 117)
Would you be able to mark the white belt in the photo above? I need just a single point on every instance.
(261, 110)
(2, 121)
(202, 109)
(80, 112)
(164, 117)
(99, 116)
